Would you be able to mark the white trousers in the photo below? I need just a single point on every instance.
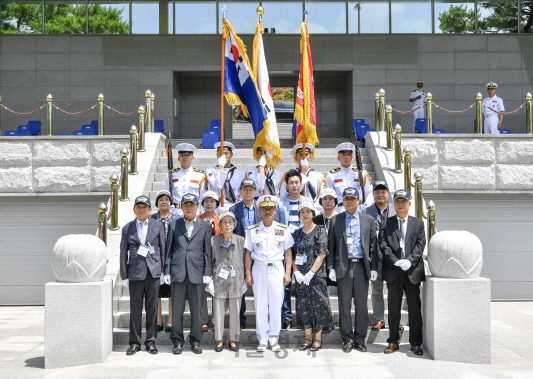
(419, 113)
(491, 124)
(269, 292)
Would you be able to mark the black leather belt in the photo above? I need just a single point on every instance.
(355, 260)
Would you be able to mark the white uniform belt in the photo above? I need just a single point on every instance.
(279, 263)
(489, 115)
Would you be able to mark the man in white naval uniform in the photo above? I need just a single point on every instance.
(186, 179)
(267, 244)
(347, 176)
(492, 121)
(418, 98)
(225, 176)
(312, 181)
(266, 179)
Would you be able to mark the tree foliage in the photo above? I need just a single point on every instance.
(503, 18)
(284, 94)
(62, 19)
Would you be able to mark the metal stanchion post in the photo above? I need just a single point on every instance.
(431, 219)
(407, 169)
(124, 154)
(381, 110)
(429, 114)
(418, 198)
(102, 222)
(49, 128)
(142, 129)
(148, 95)
(100, 115)
(398, 152)
(114, 202)
(152, 105)
(479, 113)
(377, 112)
(388, 125)
(529, 115)
(133, 146)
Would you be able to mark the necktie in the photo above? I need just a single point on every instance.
(229, 195)
(402, 239)
(270, 182)
(142, 232)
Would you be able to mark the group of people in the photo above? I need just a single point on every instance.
(317, 234)
(492, 108)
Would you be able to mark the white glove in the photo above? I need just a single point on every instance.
(161, 279)
(263, 160)
(332, 275)
(167, 280)
(211, 288)
(207, 279)
(126, 282)
(308, 277)
(244, 288)
(299, 277)
(222, 160)
(304, 162)
(406, 264)
(373, 275)
(398, 262)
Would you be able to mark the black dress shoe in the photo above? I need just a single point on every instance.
(196, 349)
(417, 350)
(347, 347)
(285, 325)
(168, 328)
(177, 349)
(360, 347)
(234, 348)
(133, 349)
(151, 349)
(160, 328)
(219, 348)
(243, 325)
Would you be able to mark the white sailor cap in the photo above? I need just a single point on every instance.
(345, 146)
(492, 85)
(328, 192)
(212, 195)
(185, 148)
(227, 146)
(307, 205)
(299, 147)
(420, 82)
(267, 201)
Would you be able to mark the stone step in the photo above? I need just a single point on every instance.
(289, 339)
(122, 319)
(247, 152)
(124, 303)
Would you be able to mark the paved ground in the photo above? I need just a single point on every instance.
(22, 356)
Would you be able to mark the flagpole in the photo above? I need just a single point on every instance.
(305, 21)
(223, 10)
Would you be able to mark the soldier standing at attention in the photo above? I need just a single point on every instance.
(418, 98)
(492, 121)
(267, 179)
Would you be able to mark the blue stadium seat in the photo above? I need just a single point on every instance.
(214, 124)
(506, 131)
(361, 128)
(11, 133)
(24, 130)
(77, 133)
(159, 126)
(35, 127)
(523, 133)
(421, 126)
(209, 139)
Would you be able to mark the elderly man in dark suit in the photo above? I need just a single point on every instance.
(187, 269)
(352, 245)
(140, 270)
(402, 241)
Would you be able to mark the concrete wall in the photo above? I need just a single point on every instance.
(59, 164)
(75, 69)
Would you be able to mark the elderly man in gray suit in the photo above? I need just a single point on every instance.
(140, 270)
(187, 269)
(352, 245)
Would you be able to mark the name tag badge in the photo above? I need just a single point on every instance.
(349, 241)
(233, 273)
(143, 251)
(223, 273)
(301, 260)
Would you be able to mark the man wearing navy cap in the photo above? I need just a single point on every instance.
(402, 240)
(187, 268)
(352, 245)
(142, 254)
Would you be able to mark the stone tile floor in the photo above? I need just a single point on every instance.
(22, 356)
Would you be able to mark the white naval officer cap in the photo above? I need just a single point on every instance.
(227, 146)
(345, 146)
(492, 85)
(300, 146)
(267, 201)
(185, 148)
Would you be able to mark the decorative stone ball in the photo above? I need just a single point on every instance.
(455, 254)
(79, 258)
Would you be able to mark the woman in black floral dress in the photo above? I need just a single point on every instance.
(313, 310)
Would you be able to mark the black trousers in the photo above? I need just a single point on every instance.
(412, 294)
(149, 290)
(195, 294)
(353, 285)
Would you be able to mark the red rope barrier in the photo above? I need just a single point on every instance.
(445, 110)
(422, 203)
(110, 206)
(411, 111)
(409, 175)
(495, 111)
(434, 229)
(74, 113)
(22, 113)
(123, 114)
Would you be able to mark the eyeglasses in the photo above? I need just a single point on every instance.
(227, 222)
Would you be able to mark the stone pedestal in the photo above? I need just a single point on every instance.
(457, 319)
(78, 323)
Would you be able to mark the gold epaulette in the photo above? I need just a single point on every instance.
(281, 225)
(335, 170)
(198, 170)
(176, 169)
(253, 226)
